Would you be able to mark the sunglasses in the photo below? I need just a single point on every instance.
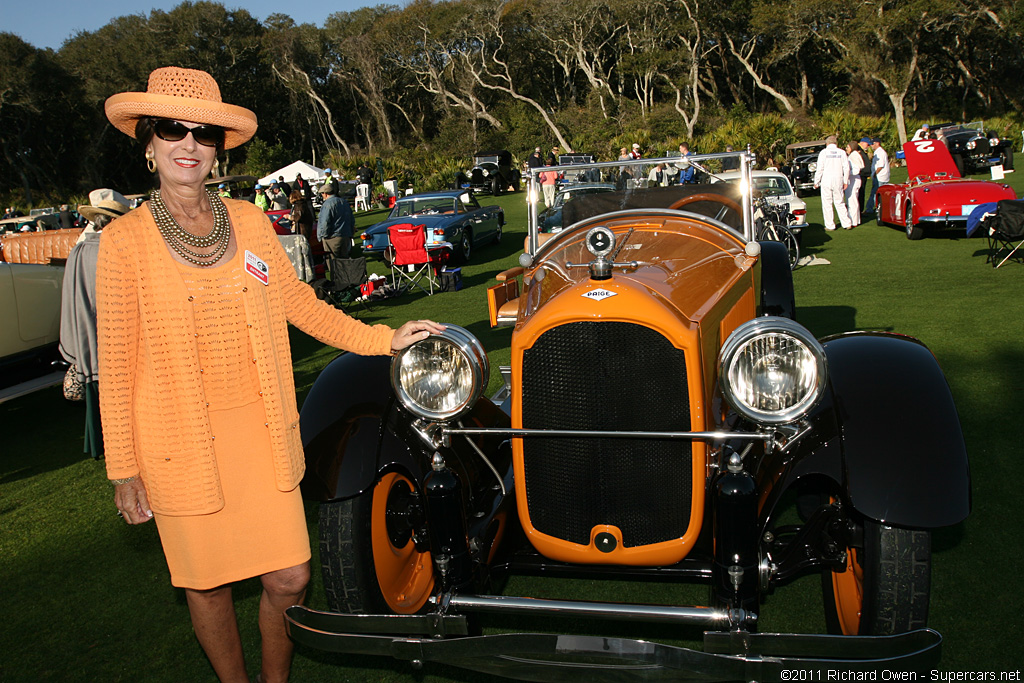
(172, 131)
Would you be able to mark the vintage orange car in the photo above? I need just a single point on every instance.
(661, 406)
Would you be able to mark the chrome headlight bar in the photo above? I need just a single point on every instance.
(440, 378)
(772, 370)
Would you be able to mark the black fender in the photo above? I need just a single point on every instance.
(353, 429)
(887, 432)
(776, 281)
(343, 423)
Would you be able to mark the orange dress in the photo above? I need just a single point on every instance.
(259, 529)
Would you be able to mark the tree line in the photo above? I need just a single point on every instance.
(446, 78)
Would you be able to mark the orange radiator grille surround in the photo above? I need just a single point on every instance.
(596, 375)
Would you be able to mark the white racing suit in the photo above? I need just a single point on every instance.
(832, 175)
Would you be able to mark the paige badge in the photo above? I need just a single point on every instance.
(255, 266)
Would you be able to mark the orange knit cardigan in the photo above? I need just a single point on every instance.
(154, 412)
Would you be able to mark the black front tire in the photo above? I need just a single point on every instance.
(497, 186)
(368, 556)
(886, 585)
(1007, 159)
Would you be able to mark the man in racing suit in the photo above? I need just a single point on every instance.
(833, 175)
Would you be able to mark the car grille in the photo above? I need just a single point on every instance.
(607, 376)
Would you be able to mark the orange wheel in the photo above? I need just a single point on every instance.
(848, 592)
(405, 575)
(368, 552)
(885, 586)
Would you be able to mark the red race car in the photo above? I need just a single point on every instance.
(935, 192)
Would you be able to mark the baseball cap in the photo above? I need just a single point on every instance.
(636, 146)
(327, 170)
(878, 140)
(866, 140)
(258, 186)
(925, 126)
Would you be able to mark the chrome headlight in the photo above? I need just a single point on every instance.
(441, 377)
(772, 370)
(972, 144)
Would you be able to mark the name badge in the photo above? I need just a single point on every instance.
(255, 266)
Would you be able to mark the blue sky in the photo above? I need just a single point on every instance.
(51, 23)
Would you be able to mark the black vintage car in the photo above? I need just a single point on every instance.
(973, 148)
(664, 419)
(801, 163)
(492, 172)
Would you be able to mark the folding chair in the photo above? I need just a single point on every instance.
(342, 289)
(411, 261)
(363, 197)
(1005, 232)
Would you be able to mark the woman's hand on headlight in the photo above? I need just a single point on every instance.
(414, 331)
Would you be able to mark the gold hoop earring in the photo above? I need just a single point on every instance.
(150, 162)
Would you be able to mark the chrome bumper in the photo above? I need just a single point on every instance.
(727, 655)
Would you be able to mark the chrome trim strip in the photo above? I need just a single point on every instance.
(942, 219)
(699, 616)
(514, 432)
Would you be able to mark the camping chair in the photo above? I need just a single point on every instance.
(347, 275)
(1005, 232)
(411, 260)
(363, 197)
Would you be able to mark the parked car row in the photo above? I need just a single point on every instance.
(454, 217)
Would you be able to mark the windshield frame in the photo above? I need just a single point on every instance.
(746, 162)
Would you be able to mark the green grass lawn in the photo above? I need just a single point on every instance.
(86, 598)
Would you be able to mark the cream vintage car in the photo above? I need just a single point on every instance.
(31, 276)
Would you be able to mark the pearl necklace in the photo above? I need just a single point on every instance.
(181, 239)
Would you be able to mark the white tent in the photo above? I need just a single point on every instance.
(308, 172)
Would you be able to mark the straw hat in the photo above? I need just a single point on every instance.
(185, 95)
(104, 201)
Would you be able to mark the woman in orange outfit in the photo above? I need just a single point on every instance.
(197, 395)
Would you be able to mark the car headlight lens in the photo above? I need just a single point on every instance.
(972, 144)
(486, 173)
(441, 377)
(772, 370)
(813, 166)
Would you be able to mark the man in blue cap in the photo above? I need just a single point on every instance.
(329, 180)
(261, 199)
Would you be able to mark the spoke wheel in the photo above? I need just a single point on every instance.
(780, 233)
(885, 586)
(368, 555)
(466, 245)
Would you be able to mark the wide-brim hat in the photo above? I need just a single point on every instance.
(186, 95)
(104, 201)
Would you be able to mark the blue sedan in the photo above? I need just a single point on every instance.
(452, 216)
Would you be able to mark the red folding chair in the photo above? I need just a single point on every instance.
(411, 259)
